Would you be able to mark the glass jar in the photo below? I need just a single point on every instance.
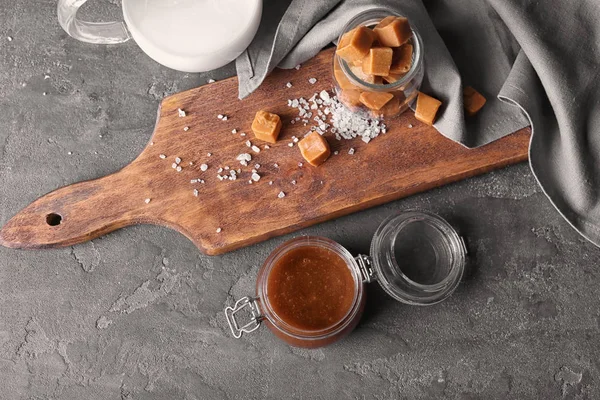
(416, 256)
(404, 89)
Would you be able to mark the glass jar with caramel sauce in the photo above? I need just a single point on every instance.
(401, 87)
(310, 292)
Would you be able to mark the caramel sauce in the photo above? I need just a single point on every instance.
(311, 288)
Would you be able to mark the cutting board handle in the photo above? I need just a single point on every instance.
(76, 213)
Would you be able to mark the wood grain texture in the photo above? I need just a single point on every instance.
(400, 163)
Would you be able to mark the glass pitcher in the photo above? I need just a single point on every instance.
(186, 35)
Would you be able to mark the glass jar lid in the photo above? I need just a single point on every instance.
(418, 258)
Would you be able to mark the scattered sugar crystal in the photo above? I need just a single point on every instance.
(256, 149)
(181, 112)
(203, 167)
(281, 195)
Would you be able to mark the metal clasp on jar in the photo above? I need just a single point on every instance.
(255, 316)
(365, 265)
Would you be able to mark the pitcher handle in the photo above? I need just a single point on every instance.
(90, 32)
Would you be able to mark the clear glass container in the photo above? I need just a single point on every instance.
(405, 89)
(416, 256)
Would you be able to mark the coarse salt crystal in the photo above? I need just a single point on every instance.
(267, 147)
(312, 81)
(336, 152)
(208, 154)
(181, 112)
(163, 156)
(211, 81)
(220, 116)
(178, 169)
(242, 134)
(248, 143)
(255, 177)
(270, 182)
(70, 152)
(281, 195)
(288, 85)
(410, 125)
(256, 149)
(276, 165)
(147, 201)
(220, 170)
(219, 230)
(300, 164)
(225, 118)
(291, 144)
(297, 67)
(194, 181)
(196, 192)
(177, 160)
(351, 151)
(294, 182)
(250, 182)
(257, 166)
(174, 165)
(203, 167)
(191, 163)
(234, 131)
(186, 128)
(9, 38)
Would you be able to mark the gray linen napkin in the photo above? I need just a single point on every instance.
(536, 61)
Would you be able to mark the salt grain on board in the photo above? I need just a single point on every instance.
(203, 167)
(281, 195)
(181, 112)
(147, 201)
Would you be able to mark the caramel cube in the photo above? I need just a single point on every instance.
(314, 148)
(375, 100)
(355, 44)
(266, 126)
(350, 98)
(393, 31)
(390, 108)
(378, 61)
(427, 108)
(472, 100)
(402, 59)
(368, 78)
(392, 78)
(340, 76)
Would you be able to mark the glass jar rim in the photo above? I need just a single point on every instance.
(389, 273)
(417, 51)
(304, 241)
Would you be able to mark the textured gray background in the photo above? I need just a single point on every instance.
(138, 314)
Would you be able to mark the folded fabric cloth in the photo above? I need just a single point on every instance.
(535, 61)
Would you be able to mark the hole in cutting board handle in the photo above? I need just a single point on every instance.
(53, 219)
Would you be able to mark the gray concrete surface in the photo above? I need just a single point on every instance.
(138, 314)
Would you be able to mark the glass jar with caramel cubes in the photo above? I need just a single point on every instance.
(378, 64)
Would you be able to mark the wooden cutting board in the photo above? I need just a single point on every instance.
(400, 163)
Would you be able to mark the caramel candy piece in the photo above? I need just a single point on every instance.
(402, 59)
(314, 148)
(340, 76)
(266, 126)
(375, 100)
(378, 61)
(372, 79)
(390, 108)
(350, 97)
(355, 44)
(427, 108)
(392, 78)
(472, 100)
(393, 31)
